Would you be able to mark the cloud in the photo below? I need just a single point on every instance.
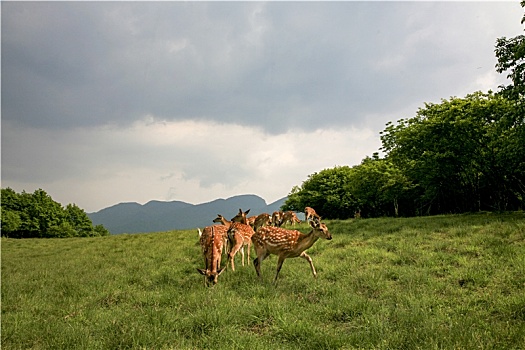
(104, 102)
(187, 160)
(71, 64)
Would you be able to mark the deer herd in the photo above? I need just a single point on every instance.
(266, 235)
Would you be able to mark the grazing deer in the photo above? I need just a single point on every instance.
(251, 220)
(286, 244)
(223, 230)
(309, 213)
(211, 241)
(239, 235)
(262, 220)
(276, 218)
(290, 217)
(226, 224)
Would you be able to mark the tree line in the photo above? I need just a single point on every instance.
(461, 155)
(37, 215)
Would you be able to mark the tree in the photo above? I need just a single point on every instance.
(511, 57)
(37, 215)
(380, 187)
(325, 191)
(463, 154)
(376, 187)
(78, 220)
(100, 230)
(10, 217)
(10, 222)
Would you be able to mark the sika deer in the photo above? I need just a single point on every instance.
(309, 213)
(262, 220)
(276, 218)
(286, 244)
(239, 235)
(289, 217)
(226, 224)
(211, 241)
(251, 220)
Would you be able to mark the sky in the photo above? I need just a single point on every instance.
(110, 102)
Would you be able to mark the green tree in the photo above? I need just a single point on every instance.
(327, 192)
(380, 187)
(464, 154)
(376, 187)
(79, 220)
(10, 217)
(43, 213)
(100, 230)
(35, 215)
(511, 58)
(63, 230)
(11, 222)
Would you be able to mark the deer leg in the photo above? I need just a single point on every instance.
(225, 245)
(242, 254)
(307, 258)
(235, 248)
(279, 265)
(249, 246)
(231, 260)
(258, 260)
(257, 266)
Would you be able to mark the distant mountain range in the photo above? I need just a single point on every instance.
(158, 216)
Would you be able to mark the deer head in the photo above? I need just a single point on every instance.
(221, 219)
(320, 230)
(241, 217)
(211, 277)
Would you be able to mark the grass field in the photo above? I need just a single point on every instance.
(445, 282)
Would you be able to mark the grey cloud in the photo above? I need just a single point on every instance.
(275, 65)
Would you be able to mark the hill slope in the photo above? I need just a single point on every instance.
(447, 282)
(157, 216)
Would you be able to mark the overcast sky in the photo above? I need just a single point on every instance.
(109, 102)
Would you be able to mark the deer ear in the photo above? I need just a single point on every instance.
(315, 224)
(202, 271)
(247, 211)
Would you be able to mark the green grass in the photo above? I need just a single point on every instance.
(445, 282)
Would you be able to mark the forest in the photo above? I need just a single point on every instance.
(461, 155)
(37, 215)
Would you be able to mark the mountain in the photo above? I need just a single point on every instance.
(157, 216)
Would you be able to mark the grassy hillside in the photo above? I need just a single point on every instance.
(447, 282)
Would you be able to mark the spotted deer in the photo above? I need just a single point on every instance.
(286, 244)
(276, 218)
(211, 241)
(226, 224)
(251, 220)
(262, 220)
(309, 213)
(289, 217)
(239, 235)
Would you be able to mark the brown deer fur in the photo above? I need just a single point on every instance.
(211, 241)
(262, 220)
(286, 244)
(289, 217)
(276, 218)
(309, 213)
(239, 235)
